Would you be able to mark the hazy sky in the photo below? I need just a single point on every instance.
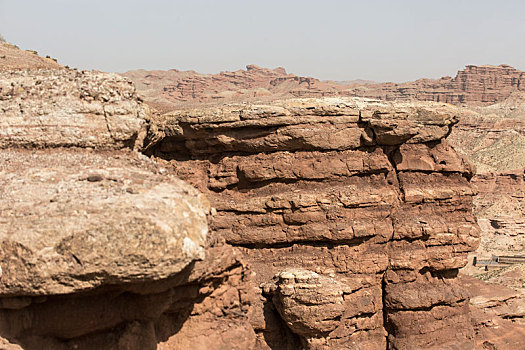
(395, 40)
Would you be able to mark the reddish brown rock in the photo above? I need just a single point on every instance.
(339, 223)
(328, 313)
(498, 314)
(499, 208)
(165, 90)
(168, 90)
(475, 85)
(345, 220)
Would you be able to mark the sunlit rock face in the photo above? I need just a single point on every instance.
(354, 214)
(100, 247)
(320, 223)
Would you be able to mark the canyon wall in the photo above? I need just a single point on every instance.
(493, 137)
(475, 85)
(498, 293)
(324, 224)
(500, 210)
(354, 215)
(169, 90)
(490, 133)
(500, 205)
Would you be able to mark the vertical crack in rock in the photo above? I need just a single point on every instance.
(309, 229)
(386, 324)
(107, 123)
(389, 152)
(352, 193)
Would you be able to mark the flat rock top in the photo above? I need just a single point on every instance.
(12, 57)
(327, 106)
(74, 219)
(64, 108)
(301, 124)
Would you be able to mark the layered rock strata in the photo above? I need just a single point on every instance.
(167, 90)
(500, 206)
(100, 248)
(355, 216)
(493, 137)
(500, 210)
(475, 85)
(337, 223)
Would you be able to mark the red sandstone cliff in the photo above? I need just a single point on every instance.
(167, 90)
(475, 85)
(354, 216)
(337, 224)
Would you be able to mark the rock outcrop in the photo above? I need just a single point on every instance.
(100, 247)
(355, 216)
(493, 137)
(500, 210)
(70, 223)
(475, 85)
(329, 223)
(48, 108)
(500, 207)
(498, 314)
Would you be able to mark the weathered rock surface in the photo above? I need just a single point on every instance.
(493, 137)
(491, 129)
(500, 207)
(75, 220)
(340, 223)
(100, 247)
(350, 203)
(67, 108)
(498, 314)
(328, 313)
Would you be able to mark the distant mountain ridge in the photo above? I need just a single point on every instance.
(172, 89)
(474, 85)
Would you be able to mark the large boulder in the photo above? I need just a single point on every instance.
(74, 220)
(101, 247)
